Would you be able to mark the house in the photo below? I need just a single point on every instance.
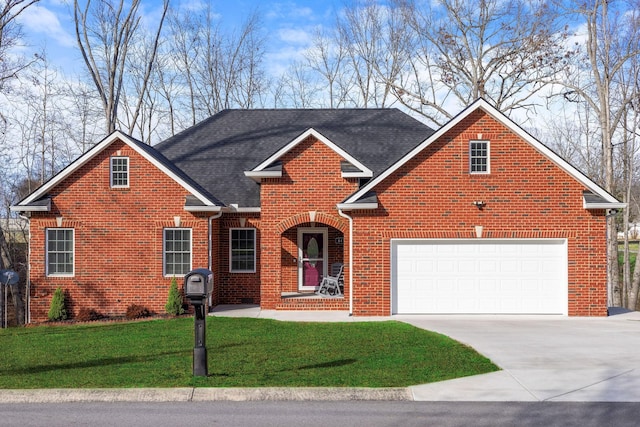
(475, 217)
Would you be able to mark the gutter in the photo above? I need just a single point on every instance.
(344, 215)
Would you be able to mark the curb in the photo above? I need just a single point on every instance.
(204, 394)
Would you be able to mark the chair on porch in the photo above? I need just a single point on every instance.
(331, 285)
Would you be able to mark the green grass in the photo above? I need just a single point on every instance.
(241, 353)
(633, 251)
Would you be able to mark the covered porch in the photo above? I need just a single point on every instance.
(309, 252)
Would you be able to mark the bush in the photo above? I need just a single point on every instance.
(135, 311)
(174, 301)
(57, 311)
(88, 314)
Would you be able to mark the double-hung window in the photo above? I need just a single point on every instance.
(242, 248)
(119, 172)
(479, 157)
(60, 251)
(177, 251)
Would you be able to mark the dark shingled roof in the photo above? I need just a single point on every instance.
(216, 152)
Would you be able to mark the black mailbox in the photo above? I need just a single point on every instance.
(198, 284)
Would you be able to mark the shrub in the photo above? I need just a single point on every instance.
(135, 311)
(57, 311)
(174, 301)
(88, 314)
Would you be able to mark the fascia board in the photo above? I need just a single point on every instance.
(356, 206)
(618, 205)
(493, 112)
(312, 132)
(203, 208)
(258, 175)
(18, 208)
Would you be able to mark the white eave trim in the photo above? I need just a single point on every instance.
(618, 205)
(356, 206)
(500, 117)
(368, 174)
(258, 175)
(236, 209)
(203, 208)
(27, 208)
(365, 171)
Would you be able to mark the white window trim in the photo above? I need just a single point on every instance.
(164, 252)
(73, 253)
(488, 171)
(255, 249)
(111, 172)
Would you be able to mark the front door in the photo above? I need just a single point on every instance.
(312, 256)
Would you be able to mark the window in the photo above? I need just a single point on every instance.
(177, 251)
(479, 156)
(119, 172)
(60, 250)
(242, 257)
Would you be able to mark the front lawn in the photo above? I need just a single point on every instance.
(241, 353)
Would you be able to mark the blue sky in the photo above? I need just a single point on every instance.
(49, 24)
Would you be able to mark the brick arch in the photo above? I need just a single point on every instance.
(321, 217)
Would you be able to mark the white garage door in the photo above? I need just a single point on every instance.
(479, 276)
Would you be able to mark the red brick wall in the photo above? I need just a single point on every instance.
(311, 181)
(118, 237)
(526, 196)
(237, 288)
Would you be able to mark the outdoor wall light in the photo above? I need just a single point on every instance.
(479, 204)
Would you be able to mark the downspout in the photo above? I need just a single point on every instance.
(344, 215)
(27, 309)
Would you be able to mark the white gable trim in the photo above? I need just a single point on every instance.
(500, 117)
(98, 148)
(258, 170)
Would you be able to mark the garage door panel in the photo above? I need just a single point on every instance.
(472, 276)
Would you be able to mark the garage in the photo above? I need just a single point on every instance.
(479, 276)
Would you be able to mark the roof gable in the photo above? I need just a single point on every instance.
(606, 200)
(34, 200)
(353, 169)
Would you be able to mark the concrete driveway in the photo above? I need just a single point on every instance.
(543, 358)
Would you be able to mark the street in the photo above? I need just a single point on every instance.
(338, 414)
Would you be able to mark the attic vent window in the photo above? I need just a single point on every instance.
(479, 157)
(119, 172)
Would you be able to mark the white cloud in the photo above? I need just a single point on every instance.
(40, 21)
(294, 36)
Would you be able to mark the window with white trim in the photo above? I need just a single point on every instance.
(479, 157)
(119, 172)
(177, 251)
(242, 250)
(60, 251)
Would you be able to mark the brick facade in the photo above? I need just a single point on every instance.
(118, 237)
(119, 231)
(526, 196)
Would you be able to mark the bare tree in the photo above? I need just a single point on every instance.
(10, 35)
(503, 51)
(612, 44)
(206, 69)
(106, 32)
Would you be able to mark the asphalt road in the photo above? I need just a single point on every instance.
(333, 414)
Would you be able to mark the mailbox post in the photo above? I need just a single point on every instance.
(198, 286)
